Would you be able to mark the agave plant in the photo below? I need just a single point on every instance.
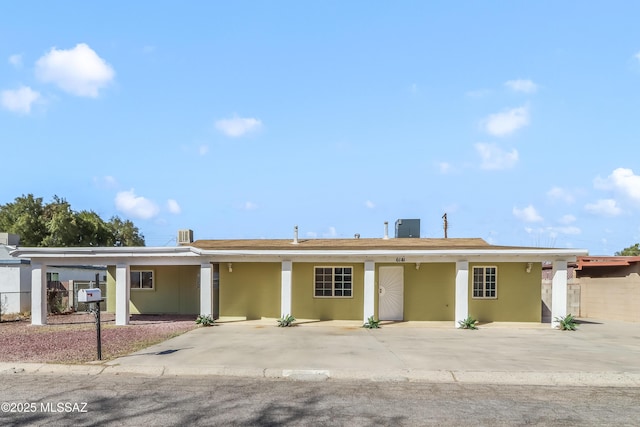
(567, 323)
(286, 320)
(468, 323)
(205, 320)
(371, 323)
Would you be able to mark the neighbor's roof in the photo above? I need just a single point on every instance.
(606, 261)
(347, 244)
(7, 259)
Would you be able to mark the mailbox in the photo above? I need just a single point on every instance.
(89, 295)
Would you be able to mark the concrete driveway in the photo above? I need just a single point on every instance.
(599, 353)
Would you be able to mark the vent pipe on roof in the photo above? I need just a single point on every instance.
(386, 230)
(295, 235)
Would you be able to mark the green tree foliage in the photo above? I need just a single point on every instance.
(630, 251)
(56, 224)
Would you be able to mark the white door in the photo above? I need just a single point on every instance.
(391, 293)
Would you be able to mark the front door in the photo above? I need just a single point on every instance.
(391, 293)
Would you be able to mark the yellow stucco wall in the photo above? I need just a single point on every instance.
(175, 291)
(519, 298)
(429, 292)
(251, 290)
(305, 306)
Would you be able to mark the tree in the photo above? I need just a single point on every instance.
(630, 251)
(56, 224)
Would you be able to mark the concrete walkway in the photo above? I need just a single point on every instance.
(598, 354)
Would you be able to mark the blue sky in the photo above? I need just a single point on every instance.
(243, 119)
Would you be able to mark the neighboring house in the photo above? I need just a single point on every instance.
(399, 279)
(15, 277)
(609, 287)
(63, 282)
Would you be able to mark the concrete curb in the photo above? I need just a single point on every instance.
(572, 379)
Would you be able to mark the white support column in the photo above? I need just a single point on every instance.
(462, 291)
(369, 290)
(123, 294)
(206, 289)
(38, 294)
(285, 290)
(558, 292)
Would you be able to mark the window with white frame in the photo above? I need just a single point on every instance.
(485, 282)
(141, 279)
(333, 282)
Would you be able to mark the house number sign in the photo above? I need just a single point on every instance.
(400, 259)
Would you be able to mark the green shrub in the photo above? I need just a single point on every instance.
(286, 321)
(567, 323)
(371, 323)
(468, 323)
(205, 320)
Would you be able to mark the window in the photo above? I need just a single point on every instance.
(485, 282)
(53, 277)
(141, 279)
(333, 282)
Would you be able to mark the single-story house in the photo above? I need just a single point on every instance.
(609, 287)
(403, 279)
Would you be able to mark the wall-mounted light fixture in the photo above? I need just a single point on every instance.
(417, 266)
(529, 266)
(230, 267)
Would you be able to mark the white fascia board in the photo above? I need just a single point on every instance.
(137, 251)
(505, 255)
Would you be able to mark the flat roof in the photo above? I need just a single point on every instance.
(349, 244)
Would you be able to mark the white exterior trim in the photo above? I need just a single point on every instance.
(123, 295)
(285, 288)
(462, 292)
(206, 289)
(558, 292)
(38, 294)
(369, 290)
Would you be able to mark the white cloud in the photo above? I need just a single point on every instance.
(507, 122)
(238, 126)
(569, 229)
(312, 234)
(604, 207)
(520, 85)
(79, 71)
(331, 233)
(135, 206)
(622, 180)
(173, 206)
(557, 193)
(478, 93)
(493, 157)
(444, 167)
(637, 56)
(249, 206)
(528, 214)
(567, 219)
(203, 149)
(105, 182)
(369, 204)
(16, 60)
(19, 100)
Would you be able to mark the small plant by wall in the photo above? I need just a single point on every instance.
(371, 323)
(286, 321)
(468, 323)
(567, 323)
(205, 320)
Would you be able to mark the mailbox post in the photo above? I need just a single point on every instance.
(93, 295)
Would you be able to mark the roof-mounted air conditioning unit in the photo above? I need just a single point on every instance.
(185, 237)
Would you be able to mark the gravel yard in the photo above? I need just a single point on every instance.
(72, 338)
